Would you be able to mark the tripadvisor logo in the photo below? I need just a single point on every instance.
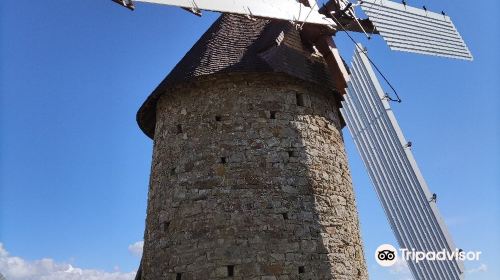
(387, 255)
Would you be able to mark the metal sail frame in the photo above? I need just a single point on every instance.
(277, 9)
(400, 186)
(404, 28)
(409, 29)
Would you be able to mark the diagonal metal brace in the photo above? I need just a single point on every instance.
(126, 3)
(195, 10)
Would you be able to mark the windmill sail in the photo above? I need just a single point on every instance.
(409, 29)
(290, 10)
(401, 189)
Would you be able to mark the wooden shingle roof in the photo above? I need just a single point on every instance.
(238, 44)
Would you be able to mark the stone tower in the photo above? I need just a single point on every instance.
(249, 178)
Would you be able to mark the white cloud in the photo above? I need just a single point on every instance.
(401, 268)
(481, 268)
(16, 268)
(136, 248)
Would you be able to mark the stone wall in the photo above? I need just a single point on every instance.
(250, 181)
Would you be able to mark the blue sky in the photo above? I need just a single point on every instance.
(74, 166)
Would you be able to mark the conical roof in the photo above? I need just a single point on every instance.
(238, 44)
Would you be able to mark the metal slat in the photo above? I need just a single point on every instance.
(396, 34)
(402, 9)
(405, 49)
(409, 29)
(412, 45)
(391, 29)
(376, 174)
(423, 46)
(428, 18)
(290, 10)
(397, 147)
(443, 25)
(401, 189)
(401, 162)
(375, 177)
(388, 29)
(401, 206)
(419, 50)
(418, 38)
(389, 24)
(399, 184)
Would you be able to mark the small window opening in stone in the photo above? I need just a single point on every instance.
(166, 225)
(172, 171)
(179, 129)
(272, 115)
(300, 99)
(302, 269)
(178, 276)
(285, 216)
(230, 270)
(218, 118)
(291, 154)
(223, 160)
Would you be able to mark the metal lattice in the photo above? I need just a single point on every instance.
(409, 29)
(401, 189)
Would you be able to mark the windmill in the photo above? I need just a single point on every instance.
(408, 203)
